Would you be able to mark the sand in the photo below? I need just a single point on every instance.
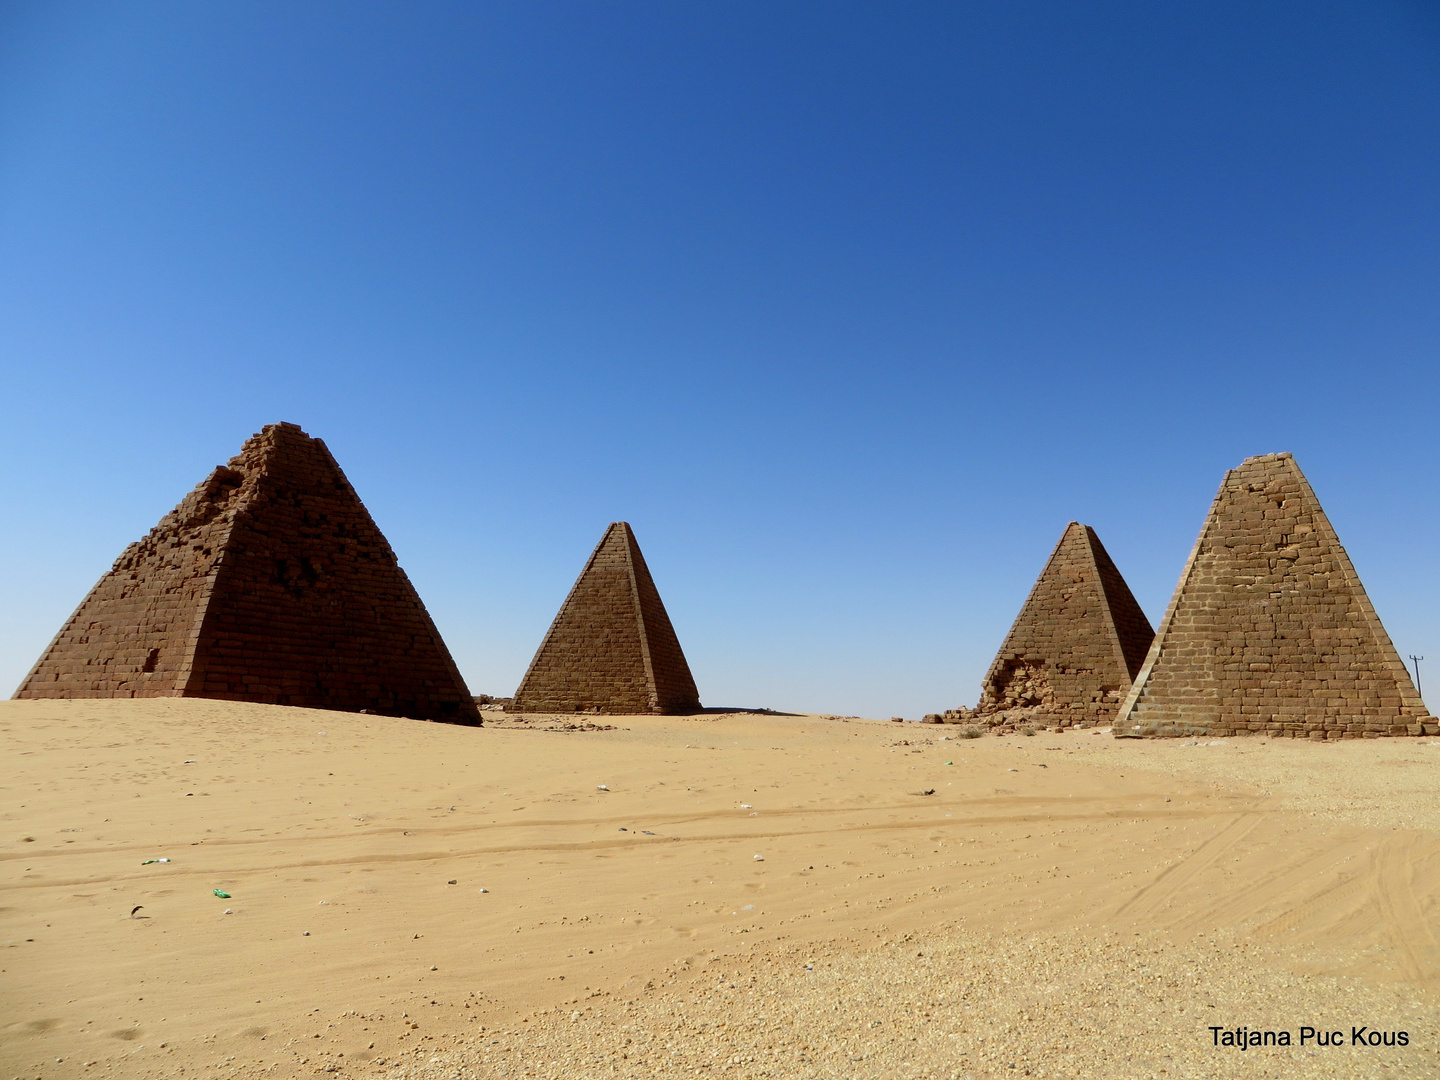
(727, 895)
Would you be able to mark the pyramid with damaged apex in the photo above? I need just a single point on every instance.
(268, 583)
(1074, 648)
(1269, 629)
(611, 648)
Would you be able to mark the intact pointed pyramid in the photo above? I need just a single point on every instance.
(268, 583)
(611, 648)
(1077, 643)
(1270, 629)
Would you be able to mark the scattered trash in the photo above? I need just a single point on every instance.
(229, 911)
(136, 908)
(624, 829)
(949, 763)
(454, 881)
(434, 968)
(759, 858)
(647, 832)
(928, 791)
(306, 934)
(221, 893)
(147, 862)
(745, 806)
(1014, 770)
(484, 890)
(602, 787)
(189, 761)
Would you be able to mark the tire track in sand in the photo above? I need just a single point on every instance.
(1173, 880)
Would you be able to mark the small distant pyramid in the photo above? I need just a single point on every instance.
(1077, 643)
(611, 649)
(268, 583)
(1270, 629)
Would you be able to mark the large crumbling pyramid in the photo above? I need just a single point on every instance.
(611, 648)
(268, 583)
(1075, 646)
(1270, 629)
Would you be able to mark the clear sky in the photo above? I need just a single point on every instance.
(847, 307)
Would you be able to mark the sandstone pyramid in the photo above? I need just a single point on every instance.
(1270, 628)
(268, 583)
(1077, 643)
(611, 649)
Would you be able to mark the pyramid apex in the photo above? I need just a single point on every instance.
(1261, 459)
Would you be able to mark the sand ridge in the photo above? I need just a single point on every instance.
(402, 892)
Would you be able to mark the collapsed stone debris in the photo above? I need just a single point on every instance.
(1270, 629)
(269, 583)
(611, 648)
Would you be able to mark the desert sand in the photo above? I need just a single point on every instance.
(723, 895)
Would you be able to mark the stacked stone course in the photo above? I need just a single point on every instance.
(1270, 629)
(611, 648)
(271, 583)
(1073, 650)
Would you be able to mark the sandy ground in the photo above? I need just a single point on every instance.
(727, 895)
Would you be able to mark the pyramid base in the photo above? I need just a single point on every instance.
(1328, 728)
(445, 713)
(568, 709)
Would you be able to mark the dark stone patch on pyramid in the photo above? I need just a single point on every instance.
(1270, 628)
(1073, 650)
(611, 648)
(269, 583)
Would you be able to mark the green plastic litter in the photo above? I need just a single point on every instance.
(222, 894)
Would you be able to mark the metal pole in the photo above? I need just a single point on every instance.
(1417, 660)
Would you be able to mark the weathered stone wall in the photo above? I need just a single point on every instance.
(611, 648)
(674, 687)
(1076, 645)
(132, 635)
(1270, 628)
(269, 583)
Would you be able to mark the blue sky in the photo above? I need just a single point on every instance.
(847, 308)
